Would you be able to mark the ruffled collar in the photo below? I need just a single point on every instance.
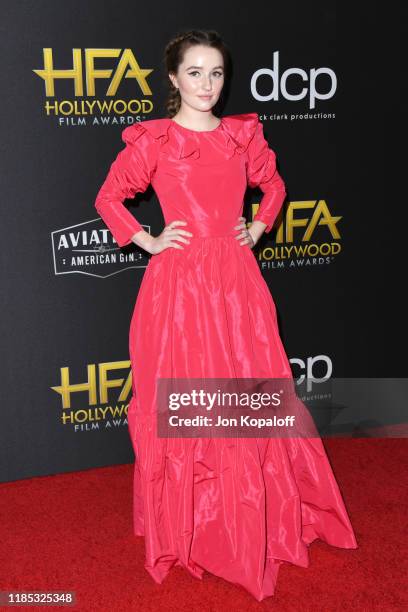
(238, 131)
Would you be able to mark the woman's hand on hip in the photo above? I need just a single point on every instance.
(245, 236)
(169, 238)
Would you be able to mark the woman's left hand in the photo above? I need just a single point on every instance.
(245, 235)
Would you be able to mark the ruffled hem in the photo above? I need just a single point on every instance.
(239, 130)
(237, 510)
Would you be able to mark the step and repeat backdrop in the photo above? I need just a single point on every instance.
(76, 74)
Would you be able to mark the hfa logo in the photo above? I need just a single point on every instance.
(95, 406)
(306, 234)
(84, 75)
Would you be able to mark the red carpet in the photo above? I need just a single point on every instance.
(74, 532)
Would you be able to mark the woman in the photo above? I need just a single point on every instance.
(239, 507)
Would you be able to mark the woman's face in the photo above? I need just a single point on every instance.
(200, 77)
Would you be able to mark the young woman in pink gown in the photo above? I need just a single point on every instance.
(236, 507)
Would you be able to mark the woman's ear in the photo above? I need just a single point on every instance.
(173, 80)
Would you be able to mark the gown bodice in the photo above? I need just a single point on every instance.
(198, 176)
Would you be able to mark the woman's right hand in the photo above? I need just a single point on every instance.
(165, 240)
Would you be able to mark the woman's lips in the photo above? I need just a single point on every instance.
(205, 97)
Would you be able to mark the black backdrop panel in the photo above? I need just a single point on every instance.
(66, 312)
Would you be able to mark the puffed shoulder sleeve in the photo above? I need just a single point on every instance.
(262, 173)
(129, 173)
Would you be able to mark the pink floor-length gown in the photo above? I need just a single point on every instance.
(239, 507)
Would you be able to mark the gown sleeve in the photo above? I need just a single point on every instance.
(129, 173)
(262, 173)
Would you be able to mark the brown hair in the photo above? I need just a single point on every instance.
(173, 57)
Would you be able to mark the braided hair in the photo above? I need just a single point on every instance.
(173, 57)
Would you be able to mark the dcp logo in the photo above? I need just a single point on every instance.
(292, 74)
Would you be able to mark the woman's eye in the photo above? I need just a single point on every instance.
(217, 72)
